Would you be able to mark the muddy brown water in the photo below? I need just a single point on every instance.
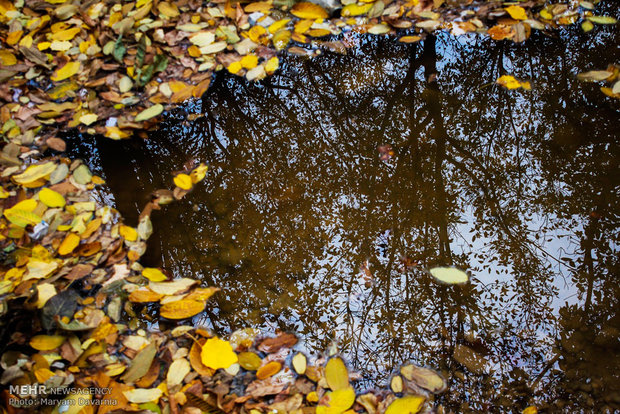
(306, 228)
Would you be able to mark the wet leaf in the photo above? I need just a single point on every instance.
(355, 9)
(21, 218)
(250, 361)
(424, 378)
(336, 374)
(336, 402)
(217, 353)
(181, 309)
(509, 82)
(530, 410)
(602, 19)
(594, 75)
(410, 404)
(144, 295)
(183, 181)
(396, 384)
(140, 364)
(153, 274)
(150, 112)
(46, 342)
(82, 175)
(307, 10)
(51, 198)
(449, 275)
(268, 370)
(172, 288)
(299, 362)
(516, 12)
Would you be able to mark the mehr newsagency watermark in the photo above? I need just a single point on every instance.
(37, 395)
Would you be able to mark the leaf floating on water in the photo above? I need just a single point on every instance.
(594, 75)
(128, 233)
(82, 175)
(424, 378)
(410, 39)
(300, 363)
(150, 112)
(396, 384)
(336, 402)
(307, 10)
(217, 353)
(250, 361)
(602, 19)
(183, 181)
(336, 374)
(153, 274)
(174, 287)
(46, 342)
(410, 404)
(510, 82)
(530, 410)
(268, 370)
(181, 309)
(449, 275)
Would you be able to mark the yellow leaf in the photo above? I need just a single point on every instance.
(234, 67)
(128, 233)
(43, 374)
(38, 269)
(21, 218)
(217, 353)
(88, 119)
(177, 371)
(249, 361)
(202, 294)
(183, 181)
(181, 309)
(272, 65)
(172, 288)
(530, 410)
(143, 395)
(268, 370)
(274, 27)
(516, 12)
(144, 295)
(153, 274)
(407, 405)
(34, 172)
(281, 39)
(337, 402)
(307, 10)
(68, 70)
(355, 10)
(51, 198)
(300, 363)
(452, 275)
(149, 113)
(46, 342)
(249, 61)
(508, 82)
(336, 374)
(7, 58)
(68, 34)
(199, 173)
(69, 244)
(44, 292)
(410, 39)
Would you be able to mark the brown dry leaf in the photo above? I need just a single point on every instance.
(196, 360)
(271, 345)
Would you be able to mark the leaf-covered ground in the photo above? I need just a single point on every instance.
(70, 267)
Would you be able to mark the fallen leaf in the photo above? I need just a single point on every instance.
(307, 10)
(410, 404)
(217, 353)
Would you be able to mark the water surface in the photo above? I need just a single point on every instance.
(308, 225)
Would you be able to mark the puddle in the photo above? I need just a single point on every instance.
(308, 224)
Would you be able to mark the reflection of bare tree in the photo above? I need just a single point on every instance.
(298, 200)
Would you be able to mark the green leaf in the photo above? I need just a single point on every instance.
(119, 49)
(150, 112)
(141, 363)
(602, 19)
(141, 52)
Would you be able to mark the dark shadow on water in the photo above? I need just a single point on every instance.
(306, 229)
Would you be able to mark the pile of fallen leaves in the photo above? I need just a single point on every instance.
(112, 68)
(72, 267)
